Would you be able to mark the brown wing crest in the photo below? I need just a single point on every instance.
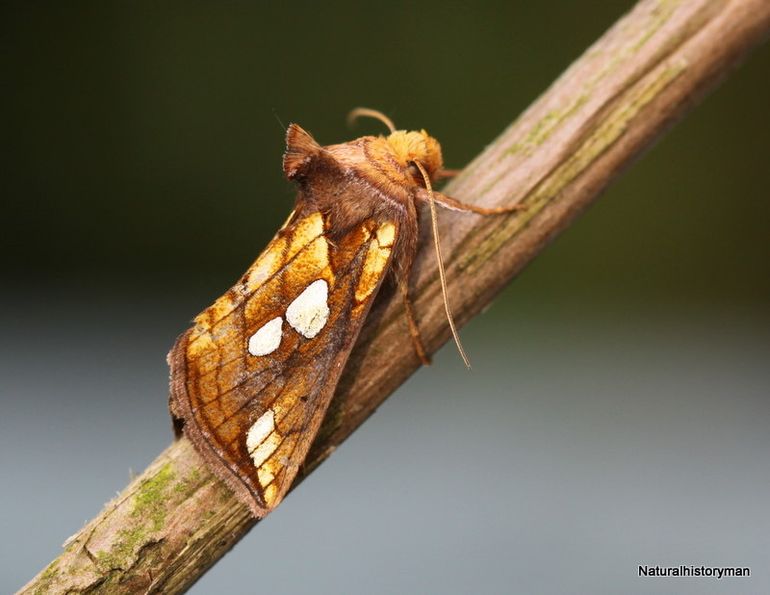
(251, 381)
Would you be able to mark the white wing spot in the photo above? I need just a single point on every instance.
(267, 338)
(308, 313)
(260, 430)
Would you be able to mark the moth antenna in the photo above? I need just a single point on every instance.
(277, 117)
(441, 272)
(365, 112)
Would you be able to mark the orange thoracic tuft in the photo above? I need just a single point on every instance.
(410, 146)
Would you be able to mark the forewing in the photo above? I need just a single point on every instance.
(252, 379)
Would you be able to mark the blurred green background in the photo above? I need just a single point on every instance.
(618, 403)
(144, 141)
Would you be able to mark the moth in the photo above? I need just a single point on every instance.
(252, 379)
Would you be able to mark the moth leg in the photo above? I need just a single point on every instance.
(414, 331)
(443, 174)
(455, 205)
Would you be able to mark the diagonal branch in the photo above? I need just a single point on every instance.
(175, 520)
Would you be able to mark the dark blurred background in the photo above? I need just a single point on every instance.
(617, 413)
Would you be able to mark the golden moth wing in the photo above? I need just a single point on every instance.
(252, 380)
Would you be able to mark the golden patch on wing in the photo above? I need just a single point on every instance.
(309, 263)
(312, 260)
(306, 230)
(376, 260)
(281, 449)
(200, 342)
(304, 241)
(262, 440)
(265, 266)
(203, 349)
(264, 450)
(216, 311)
(386, 234)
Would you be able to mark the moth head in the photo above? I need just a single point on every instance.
(412, 146)
(408, 147)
